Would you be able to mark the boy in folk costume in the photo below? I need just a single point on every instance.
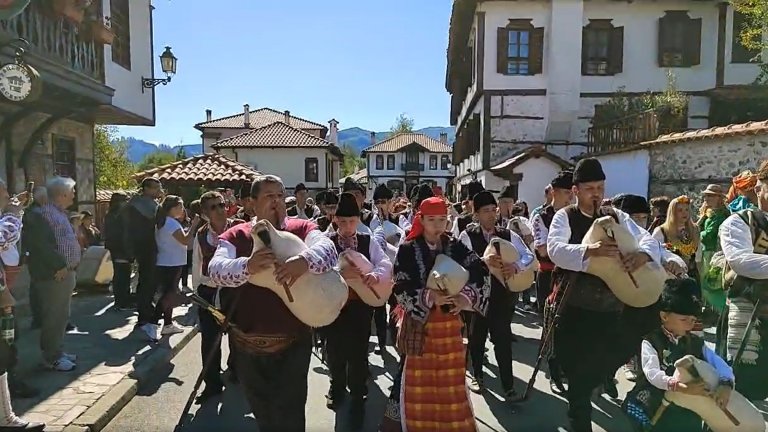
(347, 337)
(744, 242)
(467, 192)
(561, 195)
(661, 348)
(382, 198)
(358, 190)
(273, 369)
(592, 338)
(430, 393)
(498, 319)
(328, 201)
(507, 200)
(213, 211)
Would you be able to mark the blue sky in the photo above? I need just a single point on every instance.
(362, 62)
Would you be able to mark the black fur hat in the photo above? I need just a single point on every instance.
(631, 204)
(588, 170)
(382, 192)
(350, 185)
(563, 180)
(679, 296)
(482, 199)
(347, 206)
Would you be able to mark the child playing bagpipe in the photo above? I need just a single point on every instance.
(660, 350)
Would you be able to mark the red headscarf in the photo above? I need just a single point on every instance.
(434, 206)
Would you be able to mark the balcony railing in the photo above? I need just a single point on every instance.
(55, 39)
(626, 132)
(412, 166)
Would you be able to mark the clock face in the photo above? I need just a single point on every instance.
(15, 82)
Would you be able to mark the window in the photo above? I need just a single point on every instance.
(520, 48)
(432, 162)
(121, 27)
(445, 160)
(310, 170)
(64, 163)
(740, 53)
(602, 48)
(390, 162)
(679, 40)
(379, 162)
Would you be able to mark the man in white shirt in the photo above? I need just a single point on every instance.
(744, 242)
(591, 339)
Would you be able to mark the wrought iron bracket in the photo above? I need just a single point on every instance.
(148, 83)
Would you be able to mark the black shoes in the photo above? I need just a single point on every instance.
(208, 393)
(332, 401)
(29, 427)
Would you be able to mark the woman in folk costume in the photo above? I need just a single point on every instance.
(742, 196)
(430, 393)
(744, 241)
(347, 336)
(593, 336)
(711, 215)
(661, 348)
(498, 320)
(680, 234)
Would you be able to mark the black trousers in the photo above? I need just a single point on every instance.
(145, 289)
(168, 286)
(543, 287)
(347, 347)
(209, 331)
(35, 299)
(276, 385)
(121, 283)
(381, 324)
(498, 323)
(589, 346)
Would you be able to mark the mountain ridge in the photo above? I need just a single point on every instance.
(355, 137)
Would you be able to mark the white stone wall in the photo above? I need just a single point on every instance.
(287, 163)
(626, 172)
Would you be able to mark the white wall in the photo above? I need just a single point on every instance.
(626, 172)
(287, 163)
(537, 174)
(127, 83)
(400, 159)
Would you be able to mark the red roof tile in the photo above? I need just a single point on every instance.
(211, 167)
(259, 118)
(273, 135)
(750, 128)
(397, 142)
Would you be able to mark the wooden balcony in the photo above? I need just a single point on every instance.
(56, 40)
(626, 132)
(412, 166)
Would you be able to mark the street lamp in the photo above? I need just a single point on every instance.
(168, 65)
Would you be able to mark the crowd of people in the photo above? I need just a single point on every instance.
(714, 261)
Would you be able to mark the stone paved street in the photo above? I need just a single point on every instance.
(111, 357)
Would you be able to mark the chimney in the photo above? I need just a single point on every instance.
(373, 138)
(287, 119)
(333, 131)
(247, 115)
(444, 137)
(208, 115)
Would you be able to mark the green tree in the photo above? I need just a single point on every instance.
(113, 169)
(756, 25)
(181, 154)
(403, 123)
(352, 161)
(156, 159)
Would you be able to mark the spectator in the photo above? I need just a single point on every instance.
(34, 211)
(189, 214)
(90, 234)
(114, 237)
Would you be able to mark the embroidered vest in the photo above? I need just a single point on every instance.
(589, 292)
(740, 286)
(259, 310)
(363, 246)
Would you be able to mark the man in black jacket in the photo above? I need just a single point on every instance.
(114, 241)
(139, 222)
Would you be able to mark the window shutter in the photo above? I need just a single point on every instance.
(502, 50)
(662, 37)
(616, 51)
(536, 62)
(693, 42)
(584, 49)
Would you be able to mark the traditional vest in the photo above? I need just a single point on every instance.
(499, 292)
(463, 221)
(308, 211)
(366, 216)
(589, 292)
(547, 214)
(206, 249)
(323, 222)
(363, 246)
(740, 286)
(259, 310)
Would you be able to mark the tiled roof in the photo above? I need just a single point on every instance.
(258, 118)
(104, 195)
(211, 167)
(397, 142)
(359, 176)
(750, 128)
(273, 135)
(534, 151)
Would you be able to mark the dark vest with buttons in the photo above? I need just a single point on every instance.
(463, 221)
(363, 246)
(206, 249)
(498, 291)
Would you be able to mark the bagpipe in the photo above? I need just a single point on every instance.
(375, 295)
(518, 282)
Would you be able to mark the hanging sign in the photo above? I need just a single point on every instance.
(17, 82)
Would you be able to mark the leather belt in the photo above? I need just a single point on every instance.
(259, 344)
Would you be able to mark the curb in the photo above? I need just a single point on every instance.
(98, 416)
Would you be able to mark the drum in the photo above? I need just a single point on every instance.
(640, 290)
(375, 295)
(510, 255)
(315, 299)
(739, 409)
(447, 276)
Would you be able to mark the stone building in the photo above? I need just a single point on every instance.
(686, 162)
